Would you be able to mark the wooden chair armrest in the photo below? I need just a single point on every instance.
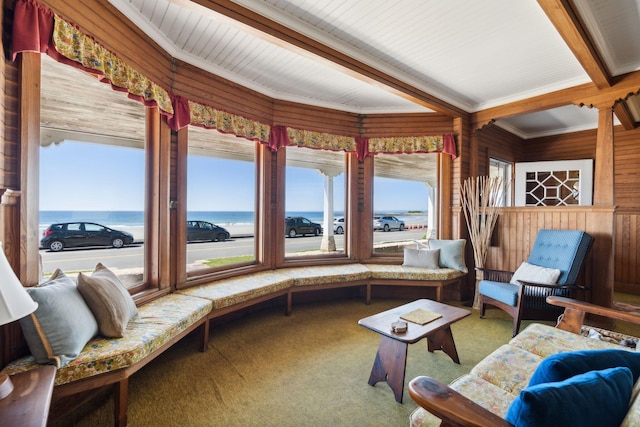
(450, 406)
(550, 286)
(575, 310)
(495, 275)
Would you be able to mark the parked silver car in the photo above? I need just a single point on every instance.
(387, 223)
(338, 226)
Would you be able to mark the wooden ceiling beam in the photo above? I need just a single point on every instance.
(301, 44)
(621, 110)
(535, 104)
(587, 94)
(568, 23)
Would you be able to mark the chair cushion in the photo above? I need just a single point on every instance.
(534, 273)
(577, 401)
(61, 325)
(559, 367)
(504, 292)
(561, 249)
(421, 258)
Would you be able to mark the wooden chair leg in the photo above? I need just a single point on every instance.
(120, 399)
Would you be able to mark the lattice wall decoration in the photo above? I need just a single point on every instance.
(559, 183)
(553, 188)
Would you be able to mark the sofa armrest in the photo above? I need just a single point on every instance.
(450, 406)
(575, 311)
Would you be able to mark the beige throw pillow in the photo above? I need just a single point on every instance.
(109, 300)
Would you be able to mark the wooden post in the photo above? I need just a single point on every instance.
(29, 85)
(604, 195)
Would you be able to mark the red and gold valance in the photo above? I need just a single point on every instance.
(211, 118)
(320, 140)
(412, 144)
(37, 29)
(80, 48)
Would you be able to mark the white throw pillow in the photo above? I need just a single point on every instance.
(534, 273)
(422, 258)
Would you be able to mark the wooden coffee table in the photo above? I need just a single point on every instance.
(391, 359)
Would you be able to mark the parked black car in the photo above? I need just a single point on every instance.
(77, 234)
(301, 225)
(206, 231)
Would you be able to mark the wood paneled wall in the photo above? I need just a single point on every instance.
(383, 125)
(517, 228)
(582, 145)
(571, 146)
(627, 252)
(497, 143)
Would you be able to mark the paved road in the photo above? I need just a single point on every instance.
(72, 260)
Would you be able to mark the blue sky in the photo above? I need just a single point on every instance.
(82, 176)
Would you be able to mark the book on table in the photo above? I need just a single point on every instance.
(421, 316)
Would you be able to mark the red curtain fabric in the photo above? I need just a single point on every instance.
(32, 28)
(362, 148)
(449, 145)
(278, 137)
(181, 113)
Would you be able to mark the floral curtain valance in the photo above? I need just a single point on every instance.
(37, 29)
(78, 47)
(211, 118)
(413, 144)
(320, 140)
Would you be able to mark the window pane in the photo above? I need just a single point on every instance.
(502, 169)
(91, 171)
(404, 189)
(79, 185)
(221, 200)
(315, 197)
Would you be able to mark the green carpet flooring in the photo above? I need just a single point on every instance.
(307, 369)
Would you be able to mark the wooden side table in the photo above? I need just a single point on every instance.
(28, 404)
(391, 360)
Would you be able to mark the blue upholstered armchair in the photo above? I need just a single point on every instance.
(552, 269)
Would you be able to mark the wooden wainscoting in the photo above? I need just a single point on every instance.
(517, 228)
(627, 251)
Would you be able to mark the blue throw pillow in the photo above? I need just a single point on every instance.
(594, 399)
(559, 367)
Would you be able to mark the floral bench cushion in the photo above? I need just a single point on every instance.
(156, 323)
(228, 292)
(326, 274)
(400, 272)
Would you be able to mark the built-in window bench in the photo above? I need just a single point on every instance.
(228, 295)
(164, 321)
(111, 361)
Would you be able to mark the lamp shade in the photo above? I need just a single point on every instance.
(15, 301)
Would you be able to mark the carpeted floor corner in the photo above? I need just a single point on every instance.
(307, 369)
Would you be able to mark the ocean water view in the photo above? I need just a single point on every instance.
(133, 221)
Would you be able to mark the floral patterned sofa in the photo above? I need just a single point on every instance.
(483, 397)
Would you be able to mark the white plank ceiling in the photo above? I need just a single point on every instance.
(473, 55)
